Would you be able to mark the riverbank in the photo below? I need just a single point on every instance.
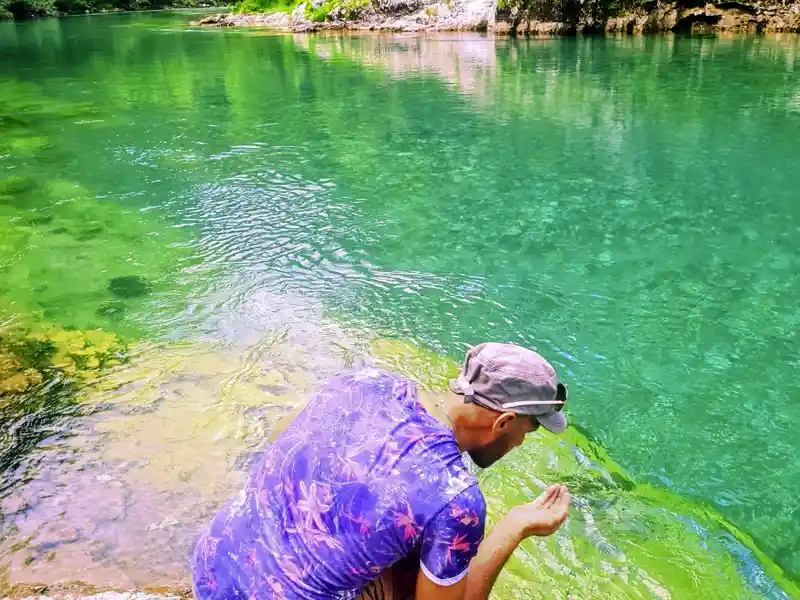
(525, 17)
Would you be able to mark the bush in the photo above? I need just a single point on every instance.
(263, 6)
(335, 10)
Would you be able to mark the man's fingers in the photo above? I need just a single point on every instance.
(556, 492)
(547, 513)
(545, 499)
(562, 501)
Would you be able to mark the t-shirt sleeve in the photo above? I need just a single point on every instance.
(451, 538)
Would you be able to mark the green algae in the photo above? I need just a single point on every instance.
(29, 359)
(68, 256)
(71, 259)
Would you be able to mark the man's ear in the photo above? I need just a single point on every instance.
(502, 422)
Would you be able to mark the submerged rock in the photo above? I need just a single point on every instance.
(129, 286)
(14, 377)
(112, 310)
(29, 359)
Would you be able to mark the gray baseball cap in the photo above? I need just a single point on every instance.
(510, 378)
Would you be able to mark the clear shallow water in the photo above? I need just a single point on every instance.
(628, 207)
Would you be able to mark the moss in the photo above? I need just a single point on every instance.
(264, 6)
(14, 377)
(27, 359)
(348, 10)
(28, 145)
(82, 354)
(15, 186)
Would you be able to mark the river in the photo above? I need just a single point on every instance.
(198, 226)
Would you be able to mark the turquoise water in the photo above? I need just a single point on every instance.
(628, 207)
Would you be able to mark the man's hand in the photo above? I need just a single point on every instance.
(544, 515)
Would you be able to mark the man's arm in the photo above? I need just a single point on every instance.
(541, 517)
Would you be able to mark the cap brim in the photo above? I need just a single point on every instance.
(554, 422)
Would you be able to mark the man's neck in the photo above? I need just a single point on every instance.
(440, 405)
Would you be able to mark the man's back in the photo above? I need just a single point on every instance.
(363, 477)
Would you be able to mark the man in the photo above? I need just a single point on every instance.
(366, 493)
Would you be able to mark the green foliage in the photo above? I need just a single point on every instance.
(347, 10)
(263, 6)
(318, 15)
(21, 9)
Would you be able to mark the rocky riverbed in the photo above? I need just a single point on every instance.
(527, 17)
(77, 594)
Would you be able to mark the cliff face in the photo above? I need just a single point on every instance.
(610, 16)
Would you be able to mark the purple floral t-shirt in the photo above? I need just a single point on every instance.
(363, 477)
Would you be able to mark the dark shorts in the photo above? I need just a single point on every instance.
(396, 583)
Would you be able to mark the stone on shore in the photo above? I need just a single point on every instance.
(276, 20)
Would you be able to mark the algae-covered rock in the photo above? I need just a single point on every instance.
(129, 286)
(28, 145)
(14, 377)
(54, 233)
(20, 382)
(11, 187)
(28, 359)
(81, 354)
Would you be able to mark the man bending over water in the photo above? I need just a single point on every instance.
(366, 494)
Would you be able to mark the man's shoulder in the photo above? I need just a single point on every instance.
(372, 380)
(370, 373)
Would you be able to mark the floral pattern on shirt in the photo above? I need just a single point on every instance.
(363, 477)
